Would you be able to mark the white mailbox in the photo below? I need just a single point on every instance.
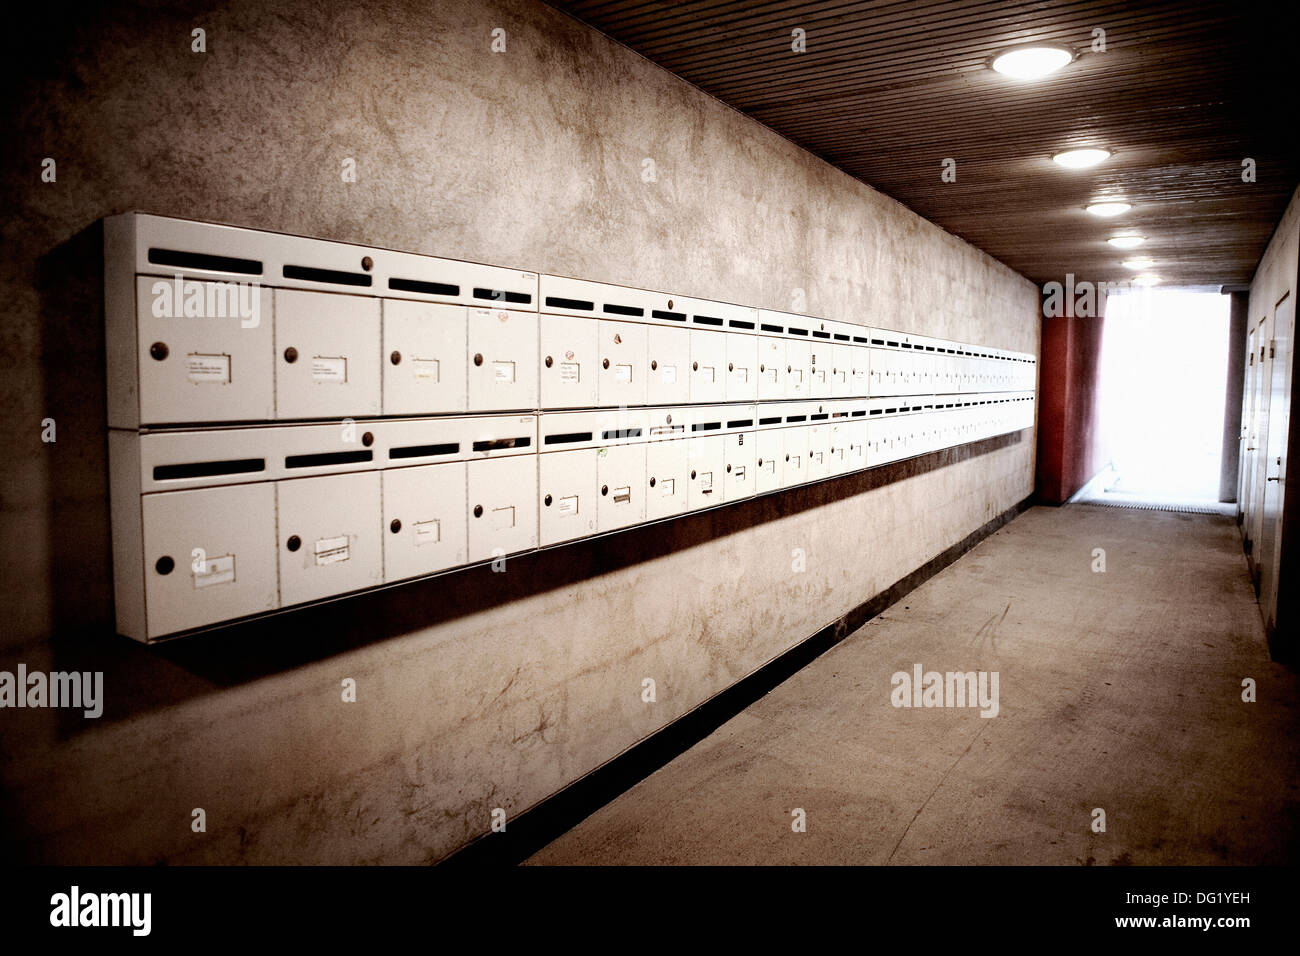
(842, 371)
(621, 473)
(708, 365)
(666, 478)
(820, 364)
(327, 346)
(770, 464)
(423, 357)
(740, 457)
(819, 451)
(502, 506)
(706, 459)
(424, 519)
(798, 369)
(742, 367)
(669, 352)
(771, 368)
(502, 369)
(569, 361)
(624, 369)
(329, 536)
(795, 471)
(568, 486)
(209, 556)
(213, 365)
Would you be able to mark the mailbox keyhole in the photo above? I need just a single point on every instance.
(605, 364)
(604, 489)
(395, 526)
(653, 365)
(367, 439)
(728, 469)
(692, 473)
(294, 542)
(547, 501)
(478, 511)
(731, 366)
(165, 564)
(395, 358)
(549, 361)
(695, 366)
(652, 482)
(291, 355)
(367, 263)
(159, 351)
(762, 368)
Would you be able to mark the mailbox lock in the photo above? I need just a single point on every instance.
(653, 365)
(549, 361)
(291, 354)
(692, 474)
(762, 368)
(367, 439)
(652, 482)
(668, 419)
(165, 564)
(789, 367)
(478, 358)
(159, 351)
(605, 364)
(728, 469)
(604, 489)
(547, 501)
(395, 526)
(294, 542)
(787, 457)
(670, 303)
(395, 358)
(760, 463)
(731, 366)
(695, 366)
(478, 511)
(367, 263)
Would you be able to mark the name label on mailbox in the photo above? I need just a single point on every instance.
(208, 369)
(332, 550)
(329, 369)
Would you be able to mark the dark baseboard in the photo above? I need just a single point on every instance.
(536, 827)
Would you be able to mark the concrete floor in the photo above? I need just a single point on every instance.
(1118, 690)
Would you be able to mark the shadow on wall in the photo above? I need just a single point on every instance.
(70, 284)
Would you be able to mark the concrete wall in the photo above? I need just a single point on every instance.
(477, 690)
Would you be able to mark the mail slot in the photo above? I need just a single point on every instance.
(771, 368)
(423, 358)
(795, 470)
(204, 351)
(424, 519)
(742, 367)
(209, 556)
(708, 365)
(770, 465)
(329, 532)
(567, 484)
(666, 472)
(502, 367)
(798, 369)
(502, 506)
(706, 459)
(740, 468)
(621, 475)
(669, 364)
(623, 372)
(569, 363)
(327, 361)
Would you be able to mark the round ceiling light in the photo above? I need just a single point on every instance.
(1142, 262)
(1032, 62)
(1108, 209)
(1146, 279)
(1127, 242)
(1081, 158)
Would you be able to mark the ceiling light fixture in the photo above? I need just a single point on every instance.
(1081, 158)
(1142, 262)
(1108, 209)
(1146, 279)
(1126, 242)
(1031, 62)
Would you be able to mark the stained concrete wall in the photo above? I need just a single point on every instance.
(477, 690)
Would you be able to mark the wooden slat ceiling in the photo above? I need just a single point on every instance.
(886, 91)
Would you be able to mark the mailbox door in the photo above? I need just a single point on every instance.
(502, 369)
(209, 555)
(502, 506)
(771, 368)
(568, 489)
(740, 466)
(706, 458)
(327, 355)
(708, 365)
(666, 479)
(859, 371)
(798, 375)
(620, 471)
(329, 535)
(819, 452)
(771, 459)
(568, 369)
(624, 367)
(856, 454)
(742, 367)
(795, 471)
(669, 353)
(423, 358)
(842, 371)
(820, 363)
(216, 366)
(424, 519)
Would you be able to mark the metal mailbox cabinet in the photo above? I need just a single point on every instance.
(669, 352)
(327, 346)
(742, 367)
(502, 506)
(209, 555)
(329, 535)
(708, 366)
(624, 370)
(621, 473)
(211, 367)
(706, 458)
(502, 369)
(424, 519)
(423, 357)
(567, 483)
(666, 478)
(568, 370)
